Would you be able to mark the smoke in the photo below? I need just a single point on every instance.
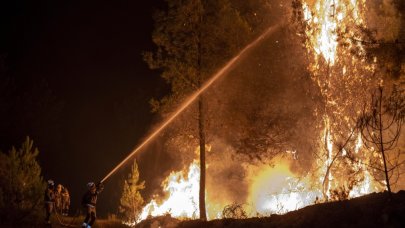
(384, 18)
(267, 106)
(262, 109)
(226, 181)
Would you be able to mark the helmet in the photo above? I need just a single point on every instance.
(59, 187)
(50, 182)
(90, 185)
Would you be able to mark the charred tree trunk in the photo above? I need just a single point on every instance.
(380, 128)
(201, 120)
(201, 129)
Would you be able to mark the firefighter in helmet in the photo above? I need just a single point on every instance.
(65, 201)
(49, 200)
(58, 199)
(89, 201)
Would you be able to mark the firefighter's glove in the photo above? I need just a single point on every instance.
(100, 186)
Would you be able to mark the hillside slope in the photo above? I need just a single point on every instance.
(374, 210)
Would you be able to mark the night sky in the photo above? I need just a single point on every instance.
(73, 79)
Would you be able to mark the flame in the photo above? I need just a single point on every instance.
(343, 76)
(182, 189)
(272, 190)
(338, 66)
(277, 190)
(364, 188)
(359, 144)
(268, 182)
(325, 18)
(324, 40)
(343, 82)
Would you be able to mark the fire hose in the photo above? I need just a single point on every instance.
(71, 224)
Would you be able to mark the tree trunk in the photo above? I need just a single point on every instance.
(201, 119)
(387, 179)
(201, 126)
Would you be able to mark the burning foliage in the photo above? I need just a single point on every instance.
(283, 127)
(235, 211)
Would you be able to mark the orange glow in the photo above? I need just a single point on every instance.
(343, 77)
(182, 189)
(324, 39)
(272, 190)
(276, 190)
(325, 19)
(223, 71)
(329, 148)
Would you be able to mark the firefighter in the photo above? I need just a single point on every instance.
(65, 201)
(58, 199)
(49, 200)
(89, 201)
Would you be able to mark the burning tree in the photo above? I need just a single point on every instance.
(252, 112)
(381, 128)
(337, 72)
(341, 39)
(194, 38)
(131, 200)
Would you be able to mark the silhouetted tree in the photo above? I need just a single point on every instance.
(381, 128)
(131, 201)
(194, 38)
(21, 183)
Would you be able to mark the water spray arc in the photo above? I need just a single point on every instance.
(194, 96)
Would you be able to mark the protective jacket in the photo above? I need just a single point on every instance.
(65, 198)
(90, 198)
(49, 196)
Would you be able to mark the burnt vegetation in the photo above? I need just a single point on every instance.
(381, 129)
(378, 118)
